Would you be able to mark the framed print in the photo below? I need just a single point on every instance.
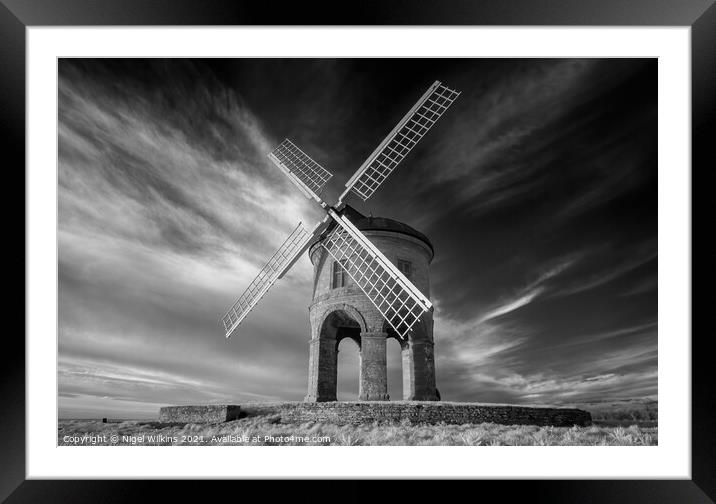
(509, 267)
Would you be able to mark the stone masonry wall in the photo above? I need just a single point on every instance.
(209, 413)
(354, 413)
(394, 246)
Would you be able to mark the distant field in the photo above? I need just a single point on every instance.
(644, 412)
(266, 431)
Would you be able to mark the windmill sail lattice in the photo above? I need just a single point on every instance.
(307, 174)
(285, 256)
(399, 142)
(395, 297)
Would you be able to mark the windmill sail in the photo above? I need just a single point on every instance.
(280, 262)
(399, 142)
(308, 175)
(395, 297)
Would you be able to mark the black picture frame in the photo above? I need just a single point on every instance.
(17, 15)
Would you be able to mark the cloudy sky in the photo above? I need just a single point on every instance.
(538, 189)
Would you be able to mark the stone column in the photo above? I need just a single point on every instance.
(408, 379)
(422, 371)
(373, 367)
(322, 370)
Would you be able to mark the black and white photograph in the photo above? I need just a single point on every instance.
(357, 251)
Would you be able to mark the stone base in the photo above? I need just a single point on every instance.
(199, 414)
(362, 412)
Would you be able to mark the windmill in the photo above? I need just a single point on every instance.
(394, 296)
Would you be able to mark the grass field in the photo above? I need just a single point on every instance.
(616, 423)
(266, 431)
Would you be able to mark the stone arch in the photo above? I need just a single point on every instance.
(418, 332)
(340, 324)
(391, 333)
(348, 354)
(349, 310)
(392, 376)
(404, 356)
(418, 366)
(337, 322)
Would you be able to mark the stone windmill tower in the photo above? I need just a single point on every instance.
(341, 310)
(371, 277)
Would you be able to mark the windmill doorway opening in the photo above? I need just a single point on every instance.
(394, 360)
(338, 372)
(348, 349)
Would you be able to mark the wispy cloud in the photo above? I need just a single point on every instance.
(621, 332)
(153, 234)
(530, 292)
(641, 287)
(498, 146)
(630, 261)
(512, 305)
(580, 388)
(497, 358)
